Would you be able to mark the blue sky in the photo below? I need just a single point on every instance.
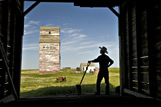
(82, 31)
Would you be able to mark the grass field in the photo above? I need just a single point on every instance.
(34, 84)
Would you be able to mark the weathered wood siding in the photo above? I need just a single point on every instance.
(49, 50)
(11, 31)
(140, 47)
(155, 26)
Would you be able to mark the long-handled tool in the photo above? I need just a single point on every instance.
(78, 86)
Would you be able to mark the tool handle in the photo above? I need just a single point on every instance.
(84, 73)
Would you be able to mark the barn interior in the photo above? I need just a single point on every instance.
(140, 54)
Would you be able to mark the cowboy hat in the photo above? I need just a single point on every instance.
(104, 49)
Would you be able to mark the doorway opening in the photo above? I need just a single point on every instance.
(82, 32)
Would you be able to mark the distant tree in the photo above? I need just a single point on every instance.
(67, 68)
(78, 69)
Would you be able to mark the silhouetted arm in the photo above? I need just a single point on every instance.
(110, 62)
(95, 60)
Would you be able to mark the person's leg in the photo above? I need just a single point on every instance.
(106, 76)
(99, 79)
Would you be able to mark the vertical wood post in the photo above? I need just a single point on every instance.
(151, 34)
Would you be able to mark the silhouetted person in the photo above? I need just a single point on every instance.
(104, 62)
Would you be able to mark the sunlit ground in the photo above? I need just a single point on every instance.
(34, 84)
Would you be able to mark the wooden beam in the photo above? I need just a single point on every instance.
(122, 49)
(129, 39)
(138, 44)
(7, 99)
(135, 93)
(52, 0)
(86, 3)
(114, 11)
(78, 3)
(31, 7)
(151, 52)
(18, 35)
(7, 69)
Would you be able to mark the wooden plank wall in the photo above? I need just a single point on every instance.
(140, 47)
(4, 84)
(143, 50)
(154, 18)
(11, 31)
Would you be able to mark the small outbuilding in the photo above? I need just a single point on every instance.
(91, 67)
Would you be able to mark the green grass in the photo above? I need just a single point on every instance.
(34, 84)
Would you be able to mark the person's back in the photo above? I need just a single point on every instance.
(104, 61)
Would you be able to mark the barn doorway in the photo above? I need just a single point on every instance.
(82, 31)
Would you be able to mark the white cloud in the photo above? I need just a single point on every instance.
(31, 27)
(25, 17)
(70, 30)
(49, 24)
(30, 32)
(82, 36)
(75, 41)
(31, 23)
(69, 42)
(32, 46)
(72, 36)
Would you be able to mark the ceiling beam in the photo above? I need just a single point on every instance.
(31, 7)
(82, 3)
(52, 0)
(114, 11)
(86, 3)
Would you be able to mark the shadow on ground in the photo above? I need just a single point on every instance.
(64, 90)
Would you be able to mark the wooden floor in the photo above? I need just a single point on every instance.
(87, 100)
